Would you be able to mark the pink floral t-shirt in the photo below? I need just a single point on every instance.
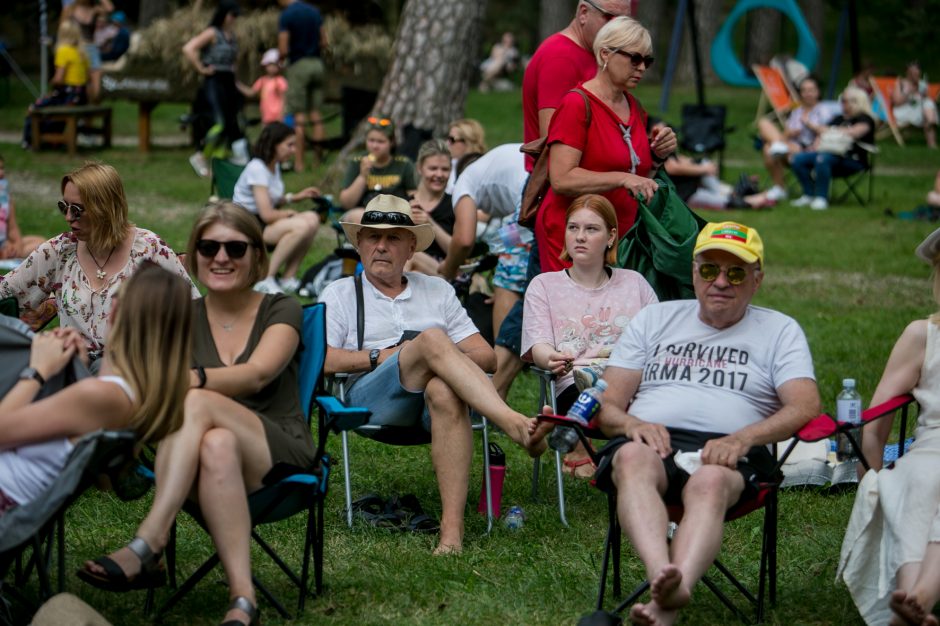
(583, 322)
(53, 271)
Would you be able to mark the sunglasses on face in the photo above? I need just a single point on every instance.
(607, 15)
(208, 248)
(709, 272)
(452, 139)
(636, 58)
(392, 218)
(65, 207)
(379, 121)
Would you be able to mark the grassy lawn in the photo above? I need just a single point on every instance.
(848, 275)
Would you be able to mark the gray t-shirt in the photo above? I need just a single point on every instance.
(701, 378)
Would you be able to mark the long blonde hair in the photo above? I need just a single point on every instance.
(471, 131)
(149, 345)
(102, 193)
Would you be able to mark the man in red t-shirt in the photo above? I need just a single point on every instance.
(561, 62)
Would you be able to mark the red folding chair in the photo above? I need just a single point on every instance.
(820, 427)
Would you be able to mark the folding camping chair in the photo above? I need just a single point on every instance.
(703, 130)
(547, 397)
(856, 182)
(776, 91)
(224, 176)
(31, 534)
(883, 87)
(294, 490)
(820, 427)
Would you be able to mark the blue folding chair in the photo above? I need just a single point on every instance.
(300, 491)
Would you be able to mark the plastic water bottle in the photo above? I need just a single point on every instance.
(848, 411)
(515, 518)
(583, 410)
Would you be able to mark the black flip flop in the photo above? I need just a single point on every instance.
(371, 503)
(423, 524)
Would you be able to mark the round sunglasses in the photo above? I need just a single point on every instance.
(65, 207)
(710, 272)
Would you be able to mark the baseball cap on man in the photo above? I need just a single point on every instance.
(740, 240)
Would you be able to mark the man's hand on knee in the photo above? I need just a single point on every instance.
(725, 451)
(653, 435)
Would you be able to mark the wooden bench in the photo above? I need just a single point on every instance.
(69, 116)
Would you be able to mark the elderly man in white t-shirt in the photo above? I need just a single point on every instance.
(420, 359)
(696, 391)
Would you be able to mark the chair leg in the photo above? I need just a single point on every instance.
(561, 488)
(348, 479)
(536, 470)
(188, 585)
(488, 487)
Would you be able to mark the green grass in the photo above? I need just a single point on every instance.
(847, 275)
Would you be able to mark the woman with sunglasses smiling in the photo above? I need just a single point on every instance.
(81, 269)
(260, 189)
(605, 148)
(243, 415)
(377, 171)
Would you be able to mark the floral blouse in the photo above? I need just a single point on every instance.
(53, 271)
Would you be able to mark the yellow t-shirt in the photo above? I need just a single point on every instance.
(76, 68)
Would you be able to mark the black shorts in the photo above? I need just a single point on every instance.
(756, 469)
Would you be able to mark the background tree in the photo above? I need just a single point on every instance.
(554, 15)
(433, 65)
(151, 10)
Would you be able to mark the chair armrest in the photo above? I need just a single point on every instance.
(592, 432)
(339, 417)
(542, 373)
(886, 408)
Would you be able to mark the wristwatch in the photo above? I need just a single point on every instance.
(30, 373)
(374, 358)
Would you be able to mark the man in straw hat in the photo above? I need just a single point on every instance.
(420, 359)
(709, 383)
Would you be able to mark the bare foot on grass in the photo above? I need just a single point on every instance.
(446, 549)
(652, 615)
(666, 588)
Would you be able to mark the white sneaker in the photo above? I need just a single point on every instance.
(198, 161)
(819, 204)
(268, 285)
(290, 285)
(803, 200)
(776, 193)
(778, 148)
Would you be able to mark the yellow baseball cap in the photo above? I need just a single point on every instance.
(740, 240)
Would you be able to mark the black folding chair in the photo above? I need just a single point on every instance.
(33, 534)
(856, 182)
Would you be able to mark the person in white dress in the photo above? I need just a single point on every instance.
(890, 557)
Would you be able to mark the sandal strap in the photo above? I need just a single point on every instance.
(244, 604)
(142, 551)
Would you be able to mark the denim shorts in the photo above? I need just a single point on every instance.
(391, 404)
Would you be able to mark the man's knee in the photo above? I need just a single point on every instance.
(434, 341)
(442, 401)
(635, 461)
(713, 483)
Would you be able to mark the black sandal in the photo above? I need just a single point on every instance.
(151, 575)
(244, 604)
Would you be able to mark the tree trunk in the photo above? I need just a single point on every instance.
(814, 12)
(151, 10)
(710, 16)
(763, 36)
(654, 15)
(554, 15)
(435, 56)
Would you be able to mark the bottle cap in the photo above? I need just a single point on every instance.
(848, 382)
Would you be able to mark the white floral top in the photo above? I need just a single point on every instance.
(53, 271)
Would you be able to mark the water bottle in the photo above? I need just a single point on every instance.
(848, 411)
(583, 410)
(515, 518)
(497, 477)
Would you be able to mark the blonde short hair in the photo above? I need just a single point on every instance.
(471, 131)
(622, 33)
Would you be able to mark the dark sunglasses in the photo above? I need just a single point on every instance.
(208, 248)
(605, 13)
(452, 139)
(392, 218)
(636, 58)
(710, 273)
(65, 207)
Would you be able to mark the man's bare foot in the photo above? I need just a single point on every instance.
(666, 588)
(536, 444)
(652, 615)
(907, 610)
(445, 549)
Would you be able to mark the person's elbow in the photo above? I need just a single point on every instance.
(487, 361)
(347, 199)
(564, 184)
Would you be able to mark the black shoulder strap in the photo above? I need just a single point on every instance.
(360, 312)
